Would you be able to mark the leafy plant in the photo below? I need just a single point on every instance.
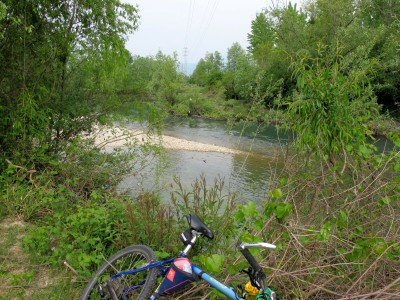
(210, 204)
(331, 108)
(82, 238)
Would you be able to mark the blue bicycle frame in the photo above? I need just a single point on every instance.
(165, 265)
(227, 291)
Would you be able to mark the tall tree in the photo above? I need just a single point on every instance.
(380, 20)
(241, 74)
(366, 33)
(44, 42)
(140, 73)
(235, 52)
(166, 80)
(262, 37)
(208, 71)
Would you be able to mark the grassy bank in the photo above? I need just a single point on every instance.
(195, 101)
(336, 227)
(22, 277)
(333, 210)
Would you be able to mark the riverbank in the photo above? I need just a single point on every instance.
(112, 137)
(21, 277)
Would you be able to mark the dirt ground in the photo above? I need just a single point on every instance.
(20, 278)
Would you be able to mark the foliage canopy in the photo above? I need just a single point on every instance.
(47, 47)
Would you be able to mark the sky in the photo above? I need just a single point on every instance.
(200, 26)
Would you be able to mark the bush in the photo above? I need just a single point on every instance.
(82, 236)
(87, 233)
(211, 205)
(336, 228)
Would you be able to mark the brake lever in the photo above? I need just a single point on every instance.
(252, 276)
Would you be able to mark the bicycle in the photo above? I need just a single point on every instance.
(132, 273)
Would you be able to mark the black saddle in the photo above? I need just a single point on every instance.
(198, 225)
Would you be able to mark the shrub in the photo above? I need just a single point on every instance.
(82, 236)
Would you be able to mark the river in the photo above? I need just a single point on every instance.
(247, 173)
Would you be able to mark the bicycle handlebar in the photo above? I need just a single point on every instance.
(257, 275)
(243, 248)
(251, 259)
(257, 245)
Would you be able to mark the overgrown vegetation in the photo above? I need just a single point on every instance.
(260, 78)
(333, 210)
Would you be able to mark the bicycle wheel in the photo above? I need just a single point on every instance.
(136, 286)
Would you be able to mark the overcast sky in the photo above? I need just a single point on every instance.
(200, 25)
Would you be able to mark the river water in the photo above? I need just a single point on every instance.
(247, 173)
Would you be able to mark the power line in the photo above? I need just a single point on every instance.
(207, 25)
(192, 5)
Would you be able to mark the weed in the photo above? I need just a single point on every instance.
(210, 204)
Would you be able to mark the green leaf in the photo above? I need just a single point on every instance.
(325, 231)
(232, 269)
(304, 240)
(239, 216)
(342, 219)
(258, 225)
(384, 201)
(365, 151)
(276, 194)
(162, 254)
(380, 248)
(283, 181)
(213, 263)
(283, 210)
(250, 210)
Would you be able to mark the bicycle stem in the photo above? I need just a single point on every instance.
(192, 242)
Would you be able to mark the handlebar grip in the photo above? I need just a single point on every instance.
(257, 275)
(251, 259)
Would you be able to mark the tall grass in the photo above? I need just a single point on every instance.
(339, 237)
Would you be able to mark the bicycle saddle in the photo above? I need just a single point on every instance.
(198, 225)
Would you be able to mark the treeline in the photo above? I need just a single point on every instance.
(362, 35)
(64, 66)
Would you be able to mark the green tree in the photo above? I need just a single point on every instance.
(262, 37)
(3, 11)
(330, 109)
(43, 45)
(379, 12)
(276, 36)
(381, 21)
(367, 33)
(140, 73)
(240, 77)
(290, 28)
(329, 20)
(235, 53)
(209, 70)
(166, 80)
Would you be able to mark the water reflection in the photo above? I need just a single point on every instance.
(251, 137)
(251, 175)
(248, 174)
